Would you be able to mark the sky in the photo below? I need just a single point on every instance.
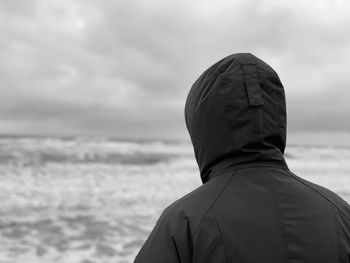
(124, 68)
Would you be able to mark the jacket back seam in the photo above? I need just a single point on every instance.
(214, 201)
(282, 226)
(221, 232)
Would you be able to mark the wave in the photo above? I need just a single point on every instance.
(36, 151)
(110, 158)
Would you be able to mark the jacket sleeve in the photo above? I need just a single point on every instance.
(169, 242)
(346, 239)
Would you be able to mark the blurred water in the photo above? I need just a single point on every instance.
(96, 199)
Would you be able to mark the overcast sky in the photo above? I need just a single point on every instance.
(123, 68)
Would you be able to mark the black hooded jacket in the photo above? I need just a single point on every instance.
(251, 208)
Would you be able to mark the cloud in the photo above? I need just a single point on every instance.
(125, 67)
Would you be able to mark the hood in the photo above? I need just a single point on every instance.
(236, 115)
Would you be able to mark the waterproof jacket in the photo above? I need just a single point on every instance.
(251, 208)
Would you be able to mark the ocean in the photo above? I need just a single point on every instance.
(95, 199)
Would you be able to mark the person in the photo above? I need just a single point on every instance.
(251, 207)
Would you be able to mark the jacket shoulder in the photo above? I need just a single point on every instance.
(334, 199)
(195, 205)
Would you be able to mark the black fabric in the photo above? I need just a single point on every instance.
(251, 207)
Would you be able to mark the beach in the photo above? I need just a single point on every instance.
(95, 199)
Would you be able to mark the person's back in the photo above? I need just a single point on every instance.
(250, 208)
